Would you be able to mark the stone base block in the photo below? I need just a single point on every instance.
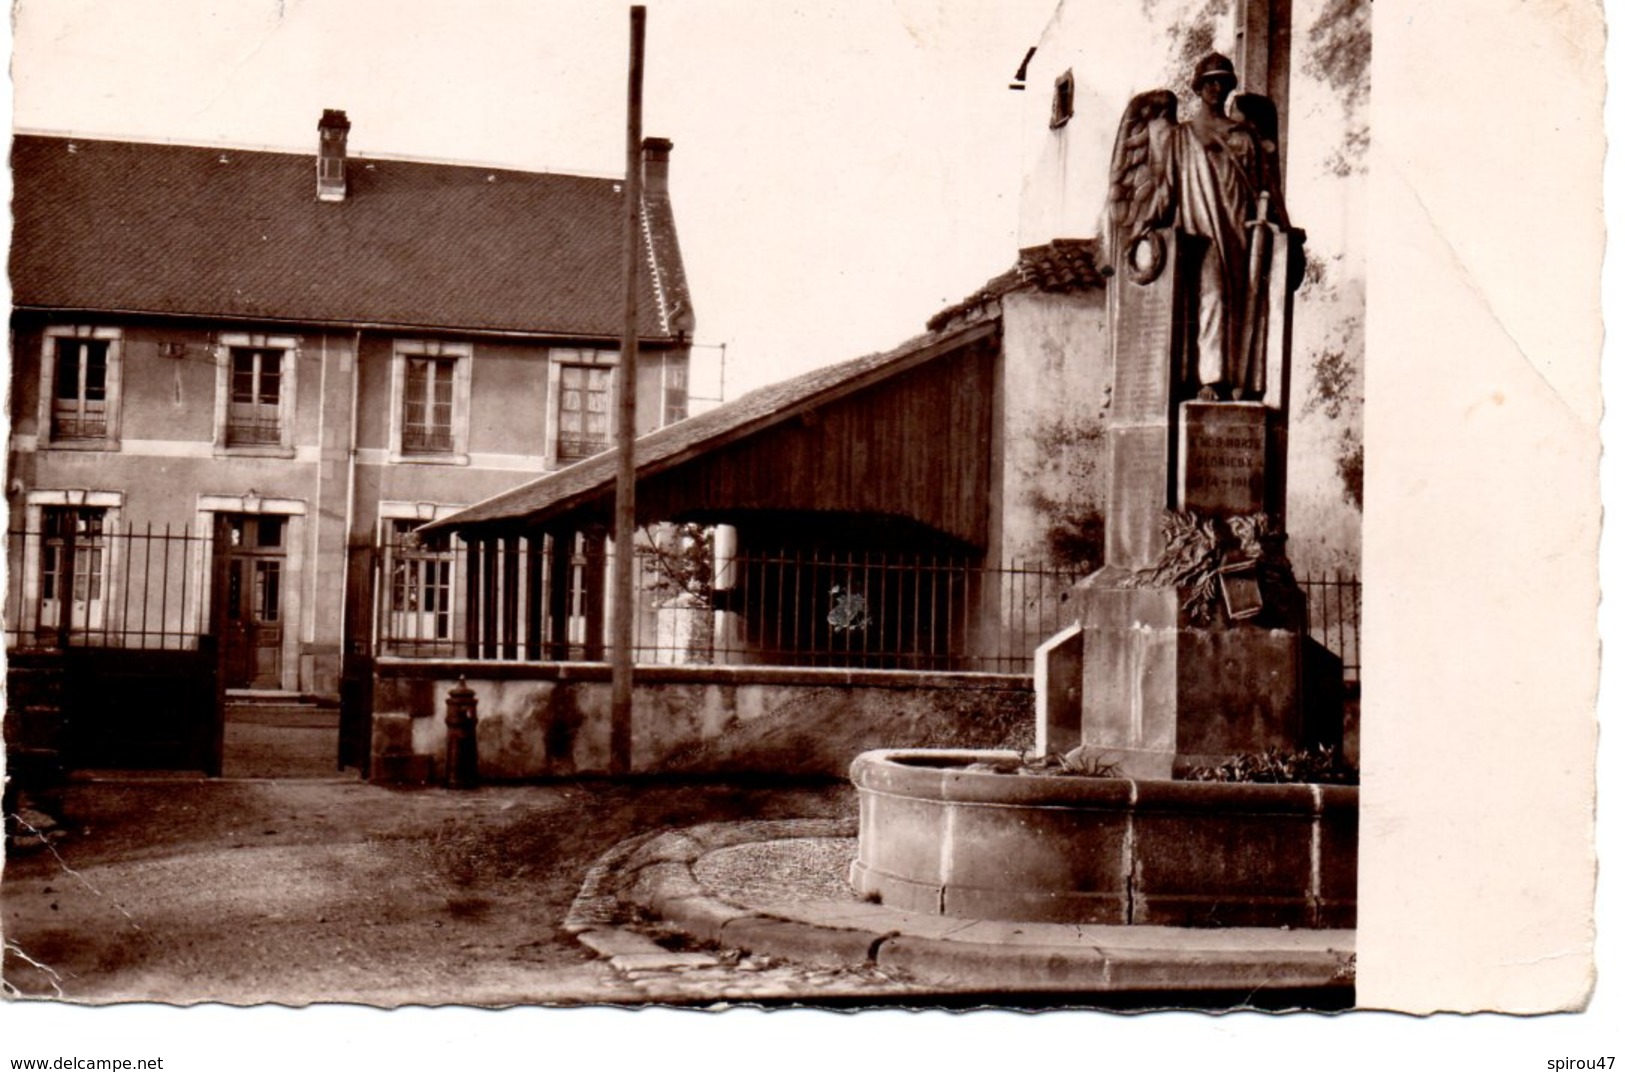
(1058, 689)
(1161, 693)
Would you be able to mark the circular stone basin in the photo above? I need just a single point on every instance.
(934, 836)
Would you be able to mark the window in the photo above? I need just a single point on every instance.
(1060, 109)
(266, 606)
(430, 388)
(255, 394)
(261, 532)
(426, 423)
(583, 411)
(420, 585)
(73, 552)
(580, 399)
(674, 389)
(79, 410)
(254, 417)
(80, 377)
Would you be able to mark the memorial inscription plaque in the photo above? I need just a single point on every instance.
(1143, 348)
(1139, 496)
(1223, 451)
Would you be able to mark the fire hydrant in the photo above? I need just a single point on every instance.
(462, 746)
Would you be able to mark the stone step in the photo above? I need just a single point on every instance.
(312, 716)
(265, 696)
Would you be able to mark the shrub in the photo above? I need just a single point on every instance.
(1320, 765)
(1077, 764)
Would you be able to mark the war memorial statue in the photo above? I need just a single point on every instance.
(1189, 650)
(1190, 643)
(1215, 178)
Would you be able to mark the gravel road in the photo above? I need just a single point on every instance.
(295, 892)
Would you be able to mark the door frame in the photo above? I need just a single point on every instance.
(242, 630)
(293, 512)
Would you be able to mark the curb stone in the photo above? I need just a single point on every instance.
(1131, 960)
(703, 916)
(804, 942)
(594, 906)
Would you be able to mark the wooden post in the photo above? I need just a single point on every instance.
(592, 597)
(471, 625)
(510, 596)
(620, 718)
(560, 574)
(533, 594)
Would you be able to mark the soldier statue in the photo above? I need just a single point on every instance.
(1213, 178)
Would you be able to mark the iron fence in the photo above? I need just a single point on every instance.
(908, 612)
(1333, 617)
(79, 581)
(520, 598)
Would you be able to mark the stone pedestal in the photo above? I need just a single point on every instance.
(1164, 688)
(1162, 693)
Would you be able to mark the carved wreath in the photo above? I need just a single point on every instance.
(1196, 549)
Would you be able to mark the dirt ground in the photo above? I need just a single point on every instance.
(299, 891)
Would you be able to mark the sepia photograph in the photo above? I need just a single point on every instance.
(835, 506)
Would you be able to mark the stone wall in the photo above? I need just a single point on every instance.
(1053, 389)
(540, 720)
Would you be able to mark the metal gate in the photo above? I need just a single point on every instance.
(128, 614)
(355, 671)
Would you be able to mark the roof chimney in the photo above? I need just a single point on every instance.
(656, 164)
(333, 134)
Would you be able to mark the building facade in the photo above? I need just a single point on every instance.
(301, 357)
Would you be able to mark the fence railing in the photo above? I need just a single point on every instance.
(523, 599)
(1333, 617)
(535, 599)
(878, 611)
(76, 582)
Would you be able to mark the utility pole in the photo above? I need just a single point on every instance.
(620, 661)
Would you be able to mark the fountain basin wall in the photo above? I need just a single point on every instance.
(935, 837)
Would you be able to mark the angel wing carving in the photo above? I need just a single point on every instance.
(1141, 192)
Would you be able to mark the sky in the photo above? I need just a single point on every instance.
(841, 169)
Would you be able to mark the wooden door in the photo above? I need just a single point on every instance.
(256, 574)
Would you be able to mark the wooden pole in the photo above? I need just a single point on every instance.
(620, 717)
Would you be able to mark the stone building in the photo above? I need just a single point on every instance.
(317, 351)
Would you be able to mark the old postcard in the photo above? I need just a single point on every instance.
(1116, 517)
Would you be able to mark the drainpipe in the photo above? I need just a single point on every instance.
(349, 501)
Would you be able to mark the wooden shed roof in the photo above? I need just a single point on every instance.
(873, 400)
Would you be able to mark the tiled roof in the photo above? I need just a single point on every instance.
(168, 229)
(669, 446)
(1061, 265)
